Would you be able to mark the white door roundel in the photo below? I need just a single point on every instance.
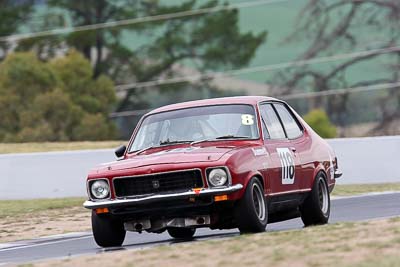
(287, 165)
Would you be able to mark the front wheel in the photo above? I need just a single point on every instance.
(181, 233)
(107, 232)
(251, 212)
(316, 207)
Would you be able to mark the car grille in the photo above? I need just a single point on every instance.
(157, 183)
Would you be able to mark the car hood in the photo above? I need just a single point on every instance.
(171, 156)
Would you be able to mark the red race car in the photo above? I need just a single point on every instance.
(236, 162)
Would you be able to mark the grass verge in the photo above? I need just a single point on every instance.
(363, 244)
(27, 219)
(11, 208)
(56, 146)
(357, 189)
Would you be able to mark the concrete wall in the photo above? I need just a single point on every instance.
(369, 159)
(47, 175)
(63, 174)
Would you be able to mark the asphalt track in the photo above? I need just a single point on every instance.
(349, 209)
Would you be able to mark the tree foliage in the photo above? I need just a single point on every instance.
(319, 121)
(53, 101)
(200, 43)
(12, 15)
(205, 42)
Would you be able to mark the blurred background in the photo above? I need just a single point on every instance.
(88, 70)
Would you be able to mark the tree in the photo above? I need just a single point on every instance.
(319, 121)
(337, 25)
(203, 42)
(12, 15)
(22, 78)
(53, 101)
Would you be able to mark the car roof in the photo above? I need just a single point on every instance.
(250, 100)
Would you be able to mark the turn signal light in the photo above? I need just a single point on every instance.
(221, 198)
(102, 210)
(197, 190)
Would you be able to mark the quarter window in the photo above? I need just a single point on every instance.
(272, 122)
(264, 128)
(289, 122)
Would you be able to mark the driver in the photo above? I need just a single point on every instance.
(187, 129)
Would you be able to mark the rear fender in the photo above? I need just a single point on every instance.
(317, 170)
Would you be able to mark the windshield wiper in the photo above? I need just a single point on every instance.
(220, 138)
(168, 142)
(163, 143)
(144, 149)
(231, 137)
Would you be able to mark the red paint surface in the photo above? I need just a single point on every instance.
(312, 154)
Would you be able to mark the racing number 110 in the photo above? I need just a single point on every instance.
(287, 164)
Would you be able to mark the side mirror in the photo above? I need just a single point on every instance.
(119, 152)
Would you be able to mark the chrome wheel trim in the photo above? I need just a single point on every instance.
(259, 201)
(323, 196)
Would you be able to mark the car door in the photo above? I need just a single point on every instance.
(284, 170)
(299, 143)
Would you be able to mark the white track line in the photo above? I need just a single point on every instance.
(44, 244)
(44, 239)
(67, 235)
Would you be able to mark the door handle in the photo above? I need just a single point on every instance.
(293, 149)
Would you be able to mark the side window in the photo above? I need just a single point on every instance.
(289, 122)
(272, 122)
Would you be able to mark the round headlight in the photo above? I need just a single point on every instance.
(100, 189)
(218, 177)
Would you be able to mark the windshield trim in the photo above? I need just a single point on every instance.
(135, 132)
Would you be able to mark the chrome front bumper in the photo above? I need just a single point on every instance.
(89, 204)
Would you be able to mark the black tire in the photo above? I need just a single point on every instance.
(107, 232)
(181, 233)
(316, 207)
(251, 212)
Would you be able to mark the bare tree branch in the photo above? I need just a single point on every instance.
(328, 35)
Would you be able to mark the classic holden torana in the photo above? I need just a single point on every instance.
(236, 162)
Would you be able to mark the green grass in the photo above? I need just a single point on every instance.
(56, 146)
(10, 208)
(356, 189)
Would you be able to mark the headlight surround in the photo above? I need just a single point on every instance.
(100, 189)
(218, 177)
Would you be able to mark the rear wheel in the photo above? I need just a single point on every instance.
(107, 232)
(251, 212)
(181, 233)
(316, 207)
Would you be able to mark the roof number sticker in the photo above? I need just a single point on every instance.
(247, 119)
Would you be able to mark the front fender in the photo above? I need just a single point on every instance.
(244, 179)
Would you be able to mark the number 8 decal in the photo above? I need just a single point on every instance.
(287, 163)
(247, 119)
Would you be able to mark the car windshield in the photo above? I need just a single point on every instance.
(196, 124)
